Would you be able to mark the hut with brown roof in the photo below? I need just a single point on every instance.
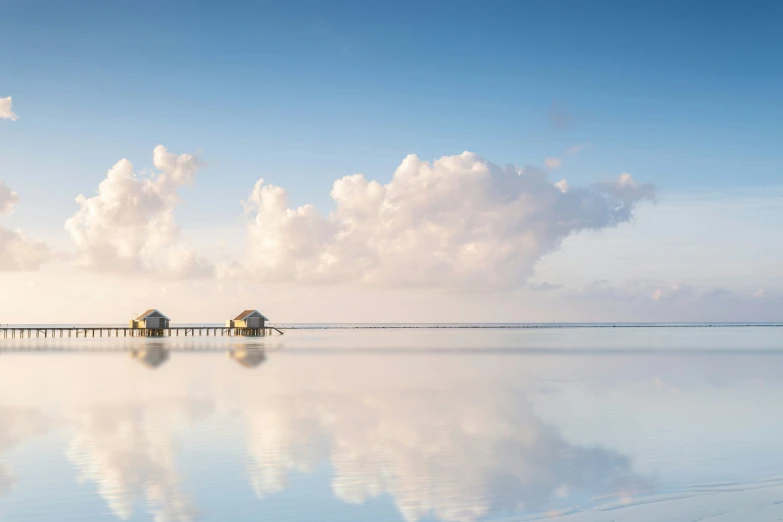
(251, 319)
(152, 319)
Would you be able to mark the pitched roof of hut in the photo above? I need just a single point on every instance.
(150, 312)
(249, 312)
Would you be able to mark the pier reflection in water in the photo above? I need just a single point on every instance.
(342, 426)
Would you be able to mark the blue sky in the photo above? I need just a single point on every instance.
(683, 96)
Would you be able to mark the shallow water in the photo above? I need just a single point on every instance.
(396, 425)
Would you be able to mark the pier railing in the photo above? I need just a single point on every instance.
(29, 332)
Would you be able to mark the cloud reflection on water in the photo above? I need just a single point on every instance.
(448, 437)
(455, 456)
(129, 452)
(16, 426)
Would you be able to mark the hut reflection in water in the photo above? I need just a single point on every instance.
(248, 356)
(152, 356)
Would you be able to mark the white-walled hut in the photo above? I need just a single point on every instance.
(152, 319)
(248, 319)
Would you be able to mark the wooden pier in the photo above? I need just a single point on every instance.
(18, 332)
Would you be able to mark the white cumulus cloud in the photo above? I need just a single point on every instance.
(18, 252)
(129, 225)
(458, 221)
(6, 111)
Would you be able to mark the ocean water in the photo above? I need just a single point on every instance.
(573, 424)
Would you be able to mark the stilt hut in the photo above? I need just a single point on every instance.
(248, 319)
(152, 321)
(249, 322)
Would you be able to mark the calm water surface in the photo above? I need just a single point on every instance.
(398, 425)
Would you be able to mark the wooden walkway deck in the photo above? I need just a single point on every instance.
(17, 332)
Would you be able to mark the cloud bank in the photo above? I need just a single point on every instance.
(6, 111)
(657, 300)
(17, 251)
(668, 293)
(460, 221)
(129, 225)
